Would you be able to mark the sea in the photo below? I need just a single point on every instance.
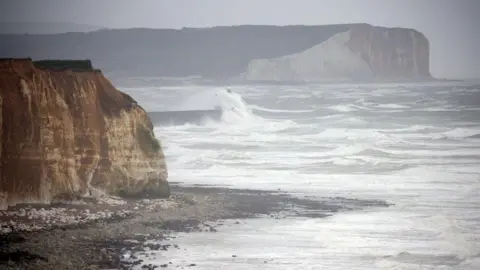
(414, 145)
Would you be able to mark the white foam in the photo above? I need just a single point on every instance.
(426, 166)
(260, 108)
(352, 121)
(350, 134)
(392, 106)
(344, 108)
(462, 132)
(414, 128)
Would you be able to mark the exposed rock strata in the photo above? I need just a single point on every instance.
(363, 52)
(67, 134)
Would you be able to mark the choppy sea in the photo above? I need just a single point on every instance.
(415, 145)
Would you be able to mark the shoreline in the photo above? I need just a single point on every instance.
(100, 234)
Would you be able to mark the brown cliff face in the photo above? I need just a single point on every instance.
(391, 52)
(66, 134)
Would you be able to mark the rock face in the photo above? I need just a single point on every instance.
(363, 52)
(66, 134)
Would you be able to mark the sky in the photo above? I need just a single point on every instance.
(452, 27)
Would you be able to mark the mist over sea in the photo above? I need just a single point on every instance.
(414, 145)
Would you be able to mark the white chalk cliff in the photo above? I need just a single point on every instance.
(363, 52)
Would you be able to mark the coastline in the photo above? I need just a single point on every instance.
(131, 81)
(110, 241)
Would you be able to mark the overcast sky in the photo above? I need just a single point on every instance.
(451, 26)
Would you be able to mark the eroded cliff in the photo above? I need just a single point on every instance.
(66, 134)
(363, 52)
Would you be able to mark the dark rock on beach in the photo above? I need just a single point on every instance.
(117, 241)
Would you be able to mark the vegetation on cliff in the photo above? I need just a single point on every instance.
(147, 139)
(61, 65)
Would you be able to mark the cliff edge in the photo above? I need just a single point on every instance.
(243, 53)
(68, 132)
(363, 52)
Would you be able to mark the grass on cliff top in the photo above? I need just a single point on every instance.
(60, 65)
(147, 140)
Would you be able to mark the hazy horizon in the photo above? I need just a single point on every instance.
(322, 144)
(449, 25)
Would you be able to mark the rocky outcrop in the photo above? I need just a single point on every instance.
(66, 134)
(391, 52)
(331, 59)
(363, 52)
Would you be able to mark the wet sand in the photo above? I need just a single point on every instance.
(96, 234)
